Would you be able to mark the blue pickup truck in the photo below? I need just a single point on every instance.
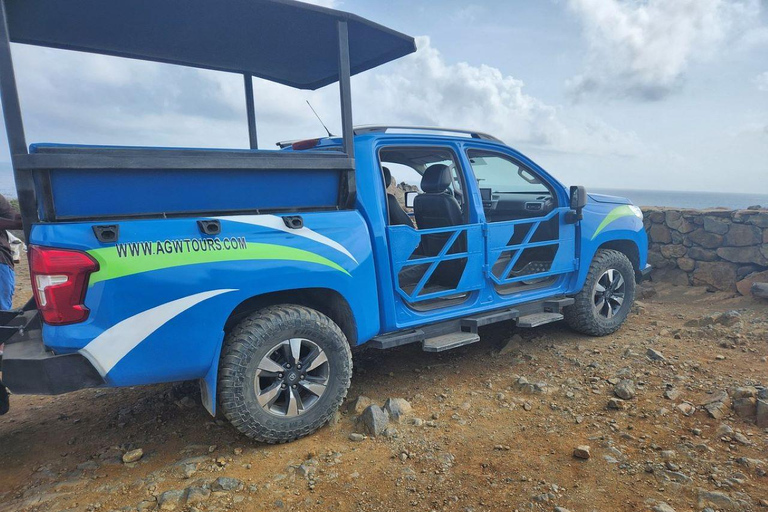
(257, 271)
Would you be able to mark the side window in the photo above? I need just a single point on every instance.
(414, 169)
(509, 190)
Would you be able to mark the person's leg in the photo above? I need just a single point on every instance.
(7, 287)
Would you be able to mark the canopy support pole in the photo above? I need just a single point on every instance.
(251, 110)
(14, 127)
(345, 90)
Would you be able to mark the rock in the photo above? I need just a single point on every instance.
(714, 225)
(582, 452)
(745, 285)
(750, 254)
(741, 439)
(762, 413)
(662, 507)
(616, 404)
(357, 437)
(660, 234)
(743, 235)
(745, 407)
(673, 251)
(226, 484)
(672, 393)
(534, 388)
(374, 420)
(686, 408)
(170, 500)
(197, 495)
(511, 345)
(133, 456)
(359, 404)
(699, 254)
(717, 500)
(655, 355)
(398, 408)
(561, 509)
(760, 290)
(717, 409)
(743, 392)
(705, 239)
(719, 275)
(686, 264)
(625, 389)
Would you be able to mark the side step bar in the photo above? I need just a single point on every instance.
(459, 332)
(538, 319)
(449, 341)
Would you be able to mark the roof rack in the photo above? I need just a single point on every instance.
(360, 130)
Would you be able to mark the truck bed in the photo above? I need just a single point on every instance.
(100, 182)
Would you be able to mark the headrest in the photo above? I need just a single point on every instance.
(387, 177)
(436, 179)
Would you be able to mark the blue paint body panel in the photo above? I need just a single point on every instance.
(355, 254)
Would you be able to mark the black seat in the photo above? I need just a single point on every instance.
(438, 208)
(397, 216)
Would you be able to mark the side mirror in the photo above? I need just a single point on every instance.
(410, 198)
(578, 202)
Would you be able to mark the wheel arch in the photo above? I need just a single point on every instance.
(327, 301)
(627, 247)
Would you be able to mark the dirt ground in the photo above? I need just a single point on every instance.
(478, 438)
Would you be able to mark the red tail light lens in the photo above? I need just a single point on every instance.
(305, 144)
(59, 280)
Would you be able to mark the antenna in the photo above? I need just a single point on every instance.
(318, 118)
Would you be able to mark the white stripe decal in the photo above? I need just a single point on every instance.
(108, 348)
(275, 222)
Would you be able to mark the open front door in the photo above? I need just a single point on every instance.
(529, 243)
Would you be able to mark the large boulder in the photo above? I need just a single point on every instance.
(745, 285)
(718, 275)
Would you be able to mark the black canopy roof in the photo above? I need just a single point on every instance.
(283, 41)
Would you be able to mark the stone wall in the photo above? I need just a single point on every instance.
(718, 248)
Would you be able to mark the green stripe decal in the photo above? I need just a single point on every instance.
(114, 265)
(615, 214)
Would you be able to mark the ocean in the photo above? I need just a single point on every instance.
(697, 200)
(638, 197)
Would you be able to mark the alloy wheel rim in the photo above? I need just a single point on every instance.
(292, 377)
(609, 293)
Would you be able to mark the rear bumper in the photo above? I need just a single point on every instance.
(644, 274)
(30, 369)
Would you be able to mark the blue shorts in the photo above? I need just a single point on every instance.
(7, 287)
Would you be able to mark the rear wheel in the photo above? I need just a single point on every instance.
(604, 302)
(284, 371)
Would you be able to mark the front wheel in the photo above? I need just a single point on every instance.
(604, 302)
(284, 371)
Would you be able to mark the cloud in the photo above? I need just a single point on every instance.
(81, 98)
(642, 49)
(761, 81)
(333, 4)
(424, 89)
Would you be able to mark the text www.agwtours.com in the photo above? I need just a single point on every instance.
(187, 245)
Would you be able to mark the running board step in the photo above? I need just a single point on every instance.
(449, 341)
(538, 319)
(397, 339)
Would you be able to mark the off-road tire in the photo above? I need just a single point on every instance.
(251, 340)
(582, 315)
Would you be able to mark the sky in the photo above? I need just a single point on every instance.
(638, 94)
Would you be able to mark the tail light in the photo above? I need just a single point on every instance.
(59, 281)
(305, 144)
